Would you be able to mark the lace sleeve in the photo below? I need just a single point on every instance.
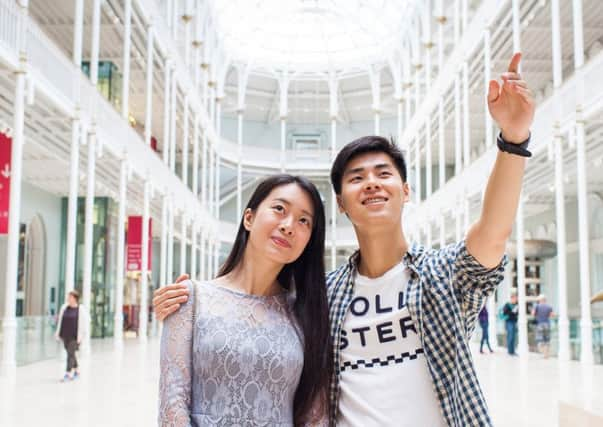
(175, 377)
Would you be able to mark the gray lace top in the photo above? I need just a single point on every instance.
(229, 359)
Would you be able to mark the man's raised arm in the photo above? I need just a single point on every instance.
(511, 105)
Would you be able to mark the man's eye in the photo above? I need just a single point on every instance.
(356, 178)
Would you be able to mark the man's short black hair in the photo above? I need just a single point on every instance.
(366, 144)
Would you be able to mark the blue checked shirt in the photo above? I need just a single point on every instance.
(446, 291)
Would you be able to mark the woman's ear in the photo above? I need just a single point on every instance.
(247, 218)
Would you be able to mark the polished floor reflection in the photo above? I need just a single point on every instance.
(120, 389)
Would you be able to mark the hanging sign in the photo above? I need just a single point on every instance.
(134, 244)
(5, 164)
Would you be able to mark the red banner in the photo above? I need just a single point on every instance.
(134, 244)
(6, 144)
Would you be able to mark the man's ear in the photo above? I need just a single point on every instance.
(248, 219)
(340, 204)
(405, 192)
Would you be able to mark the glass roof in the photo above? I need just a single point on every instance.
(310, 35)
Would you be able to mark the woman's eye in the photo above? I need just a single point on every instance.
(305, 221)
(278, 208)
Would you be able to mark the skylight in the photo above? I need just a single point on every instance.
(310, 35)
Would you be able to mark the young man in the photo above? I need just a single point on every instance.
(510, 312)
(401, 315)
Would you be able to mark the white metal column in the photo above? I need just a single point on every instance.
(217, 170)
(166, 111)
(418, 184)
(184, 172)
(173, 112)
(242, 79)
(120, 255)
(72, 205)
(466, 117)
(203, 272)
(239, 163)
(557, 142)
(586, 346)
(89, 227)
(164, 243)
(283, 109)
(522, 322)
(428, 159)
(195, 183)
(170, 243)
(149, 89)
(487, 77)
(375, 82)
(96, 17)
(283, 142)
(457, 127)
(9, 321)
(204, 167)
(183, 250)
(193, 272)
(143, 314)
(333, 110)
(210, 178)
(563, 323)
(125, 85)
(78, 32)
(441, 145)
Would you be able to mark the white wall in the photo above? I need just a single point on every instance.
(48, 206)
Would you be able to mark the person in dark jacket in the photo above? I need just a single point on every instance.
(510, 313)
(484, 323)
(71, 329)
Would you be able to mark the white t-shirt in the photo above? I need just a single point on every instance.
(385, 379)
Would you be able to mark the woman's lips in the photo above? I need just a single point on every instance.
(281, 242)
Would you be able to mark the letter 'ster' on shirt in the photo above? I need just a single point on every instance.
(385, 379)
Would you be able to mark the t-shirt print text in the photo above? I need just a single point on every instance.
(380, 331)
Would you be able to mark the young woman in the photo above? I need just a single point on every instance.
(71, 325)
(252, 346)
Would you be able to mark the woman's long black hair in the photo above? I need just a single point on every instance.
(307, 274)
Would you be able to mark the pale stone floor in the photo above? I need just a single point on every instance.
(119, 388)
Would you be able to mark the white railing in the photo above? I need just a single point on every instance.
(50, 65)
(254, 156)
(9, 23)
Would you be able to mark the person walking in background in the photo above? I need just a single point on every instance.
(71, 329)
(510, 313)
(543, 313)
(484, 323)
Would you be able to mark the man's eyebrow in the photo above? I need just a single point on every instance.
(361, 169)
(288, 203)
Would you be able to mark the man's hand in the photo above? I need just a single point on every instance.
(512, 104)
(168, 299)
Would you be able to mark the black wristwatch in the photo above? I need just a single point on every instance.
(518, 149)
